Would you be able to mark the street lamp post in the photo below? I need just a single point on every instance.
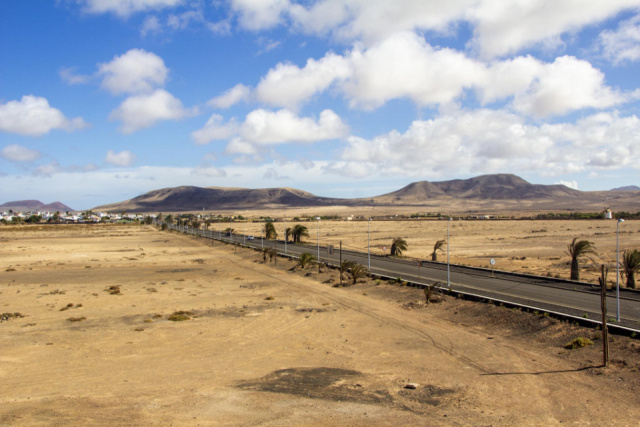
(369, 243)
(448, 269)
(318, 236)
(618, 269)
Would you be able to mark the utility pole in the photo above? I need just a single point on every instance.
(603, 305)
(340, 263)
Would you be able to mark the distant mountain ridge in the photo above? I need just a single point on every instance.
(627, 188)
(505, 192)
(35, 205)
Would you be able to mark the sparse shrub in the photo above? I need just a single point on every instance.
(76, 319)
(578, 343)
(114, 290)
(269, 298)
(179, 316)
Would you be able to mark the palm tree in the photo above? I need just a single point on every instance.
(345, 267)
(305, 259)
(207, 223)
(630, 266)
(579, 249)
(398, 246)
(287, 233)
(269, 231)
(298, 232)
(168, 219)
(439, 246)
(358, 271)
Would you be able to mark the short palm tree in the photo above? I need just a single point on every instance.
(305, 259)
(345, 267)
(398, 246)
(298, 232)
(579, 249)
(270, 231)
(287, 233)
(630, 266)
(439, 246)
(358, 271)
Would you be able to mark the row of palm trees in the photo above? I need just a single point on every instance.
(578, 250)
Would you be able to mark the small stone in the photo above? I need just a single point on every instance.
(411, 386)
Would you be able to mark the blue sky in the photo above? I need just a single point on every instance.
(103, 100)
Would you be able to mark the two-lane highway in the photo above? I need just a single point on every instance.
(546, 294)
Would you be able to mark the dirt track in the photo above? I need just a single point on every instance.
(263, 346)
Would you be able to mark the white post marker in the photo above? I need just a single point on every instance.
(448, 268)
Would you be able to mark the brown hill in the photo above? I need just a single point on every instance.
(34, 205)
(485, 187)
(489, 193)
(189, 198)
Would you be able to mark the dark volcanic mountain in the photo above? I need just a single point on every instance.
(35, 206)
(485, 187)
(188, 198)
(487, 193)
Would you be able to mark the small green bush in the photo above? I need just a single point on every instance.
(578, 343)
(179, 316)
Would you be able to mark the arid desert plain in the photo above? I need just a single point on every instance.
(255, 343)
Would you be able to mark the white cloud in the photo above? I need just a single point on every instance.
(143, 111)
(69, 76)
(267, 127)
(48, 170)
(565, 85)
(288, 86)
(623, 44)
(125, 8)
(124, 158)
(150, 25)
(136, 71)
(405, 66)
(487, 141)
(232, 96)
(506, 27)
(18, 153)
(570, 184)
(263, 127)
(210, 171)
(215, 129)
(260, 14)
(33, 116)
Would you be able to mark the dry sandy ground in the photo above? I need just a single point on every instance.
(264, 346)
(542, 244)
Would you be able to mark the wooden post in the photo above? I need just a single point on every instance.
(340, 269)
(603, 304)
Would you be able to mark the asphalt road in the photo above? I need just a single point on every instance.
(546, 294)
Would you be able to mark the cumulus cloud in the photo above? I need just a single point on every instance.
(405, 66)
(136, 71)
(143, 111)
(565, 85)
(48, 170)
(287, 85)
(269, 127)
(215, 129)
(33, 116)
(570, 184)
(18, 153)
(123, 159)
(259, 14)
(124, 8)
(623, 44)
(488, 141)
(232, 96)
(507, 27)
(263, 127)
